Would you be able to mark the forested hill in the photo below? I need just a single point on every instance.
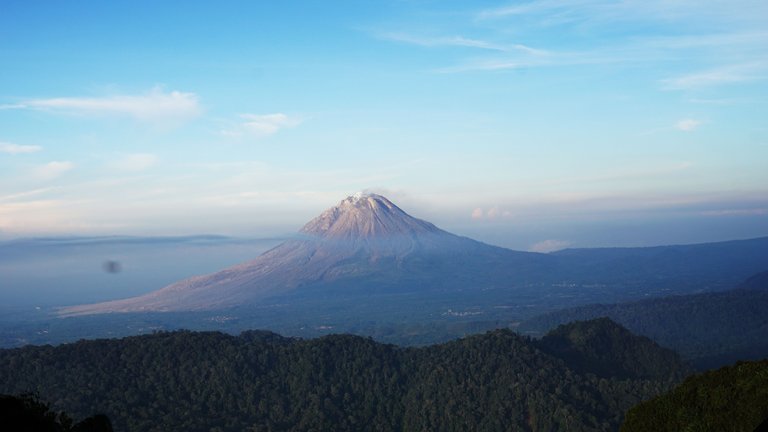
(710, 329)
(607, 349)
(184, 381)
(733, 399)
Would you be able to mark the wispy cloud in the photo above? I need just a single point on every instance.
(11, 106)
(135, 162)
(52, 170)
(11, 148)
(681, 21)
(683, 125)
(493, 65)
(687, 125)
(25, 194)
(532, 7)
(261, 125)
(723, 75)
(153, 106)
(743, 39)
(545, 59)
(458, 41)
(454, 41)
(599, 11)
(547, 246)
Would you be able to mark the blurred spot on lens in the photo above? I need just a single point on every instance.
(111, 266)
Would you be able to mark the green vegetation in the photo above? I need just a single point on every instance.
(731, 399)
(189, 381)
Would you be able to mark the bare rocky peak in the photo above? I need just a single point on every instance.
(366, 216)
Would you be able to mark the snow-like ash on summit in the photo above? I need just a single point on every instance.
(366, 216)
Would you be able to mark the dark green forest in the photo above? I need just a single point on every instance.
(27, 413)
(259, 381)
(731, 399)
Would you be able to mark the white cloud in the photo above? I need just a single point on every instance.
(549, 246)
(153, 106)
(490, 214)
(261, 125)
(687, 125)
(10, 148)
(135, 162)
(52, 170)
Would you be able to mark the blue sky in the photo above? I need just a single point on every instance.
(535, 125)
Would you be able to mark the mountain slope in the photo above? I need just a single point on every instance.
(710, 329)
(261, 381)
(365, 240)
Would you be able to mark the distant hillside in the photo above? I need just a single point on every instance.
(710, 329)
(185, 381)
(758, 281)
(729, 399)
(678, 268)
(607, 349)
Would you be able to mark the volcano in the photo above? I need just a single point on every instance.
(367, 259)
(364, 246)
